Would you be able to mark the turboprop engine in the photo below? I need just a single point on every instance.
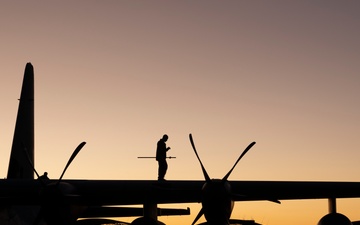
(334, 218)
(217, 197)
(55, 210)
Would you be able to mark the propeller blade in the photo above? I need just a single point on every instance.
(76, 151)
(32, 165)
(242, 155)
(198, 216)
(207, 178)
(29, 161)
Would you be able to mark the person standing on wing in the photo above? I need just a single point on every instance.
(161, 157)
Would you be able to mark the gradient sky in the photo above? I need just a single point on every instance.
(120, 74)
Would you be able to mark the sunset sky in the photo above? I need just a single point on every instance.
(120, 74)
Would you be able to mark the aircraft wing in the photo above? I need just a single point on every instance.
(292, 190)
(132, 192)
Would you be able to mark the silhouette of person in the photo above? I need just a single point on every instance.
(161, 157)
(44, 176)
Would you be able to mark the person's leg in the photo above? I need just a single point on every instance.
(162, 169)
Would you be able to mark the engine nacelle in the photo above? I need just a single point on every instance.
(334, 219)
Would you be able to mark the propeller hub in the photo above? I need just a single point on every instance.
(217, 200)
(54, 192)
(56, 209)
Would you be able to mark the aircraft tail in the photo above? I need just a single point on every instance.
(19, 166)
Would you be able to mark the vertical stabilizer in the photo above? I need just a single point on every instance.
(19, 166)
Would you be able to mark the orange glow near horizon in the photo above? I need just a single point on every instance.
(120, 74)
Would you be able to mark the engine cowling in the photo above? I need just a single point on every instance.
(334, 219)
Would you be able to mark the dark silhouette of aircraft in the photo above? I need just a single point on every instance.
(25, 200)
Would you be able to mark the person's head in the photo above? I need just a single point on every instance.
(165, 137)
